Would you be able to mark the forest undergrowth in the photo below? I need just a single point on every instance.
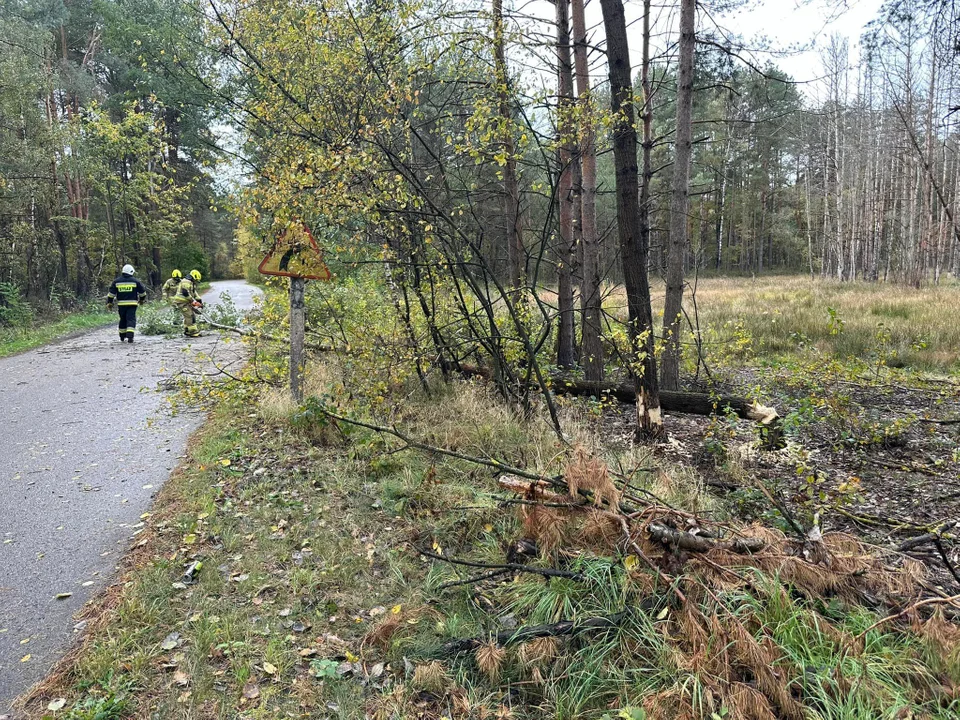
(382, 552)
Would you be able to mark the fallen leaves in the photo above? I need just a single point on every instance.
(58, 704)
(251, 691)
(270, 668)
(63, 596)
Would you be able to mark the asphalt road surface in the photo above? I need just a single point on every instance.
(85, 441)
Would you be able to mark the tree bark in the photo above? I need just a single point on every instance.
(670, 363)
(155, 275)
(633, 252)
(698, 543)
(646, 147)
(511, 187)
(565, 330)
(591, 353)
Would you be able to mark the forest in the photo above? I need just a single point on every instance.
(107, 155)
(633, 393)
(120, 122)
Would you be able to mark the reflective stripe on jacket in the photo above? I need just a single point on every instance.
(126, 290)
(186, 292)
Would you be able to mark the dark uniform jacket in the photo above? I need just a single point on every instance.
(126, 290)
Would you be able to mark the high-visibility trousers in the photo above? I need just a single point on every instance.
(128, 321)
(189, 319)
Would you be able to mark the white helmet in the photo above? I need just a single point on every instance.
(128, 270)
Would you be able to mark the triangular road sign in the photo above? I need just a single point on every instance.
(296, 254)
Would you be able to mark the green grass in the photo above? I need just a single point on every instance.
(777, 318)
(17, 340)
(308, 538)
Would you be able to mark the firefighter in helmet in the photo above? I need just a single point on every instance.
(187, 301)
(128, 293)
(171, 285)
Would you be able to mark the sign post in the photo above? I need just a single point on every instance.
(297, 337)
(296, 255)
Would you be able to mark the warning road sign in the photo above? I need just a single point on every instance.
(297, 255)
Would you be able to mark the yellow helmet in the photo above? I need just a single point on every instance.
(176, 274)
(195, 274)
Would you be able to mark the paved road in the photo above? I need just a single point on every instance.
(86, 442)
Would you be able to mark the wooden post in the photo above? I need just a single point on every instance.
(297, 334)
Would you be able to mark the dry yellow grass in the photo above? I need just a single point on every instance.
(782, 315)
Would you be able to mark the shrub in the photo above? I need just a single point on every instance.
(15, 312)
(158, 319)
(224, 312)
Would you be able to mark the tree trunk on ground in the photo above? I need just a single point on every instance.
(682, 402)
(670, 363)
(591, 354)
(511, 187)
(633, 252)
(689, 403)
(565, 331)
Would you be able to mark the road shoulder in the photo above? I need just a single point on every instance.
(16, 342)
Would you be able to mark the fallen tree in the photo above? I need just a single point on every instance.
(688, 403)
(247, 332)
(673, 401)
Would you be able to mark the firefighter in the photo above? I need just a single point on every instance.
(187, 301)
(128, 293)
(171, 285)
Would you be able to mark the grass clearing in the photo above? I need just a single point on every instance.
(771, 318)
(17, 340)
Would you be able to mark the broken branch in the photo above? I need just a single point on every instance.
(697, 543)
(505, 567)
(558, 629)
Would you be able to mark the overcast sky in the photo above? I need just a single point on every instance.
(795, 29)
(805, 24)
